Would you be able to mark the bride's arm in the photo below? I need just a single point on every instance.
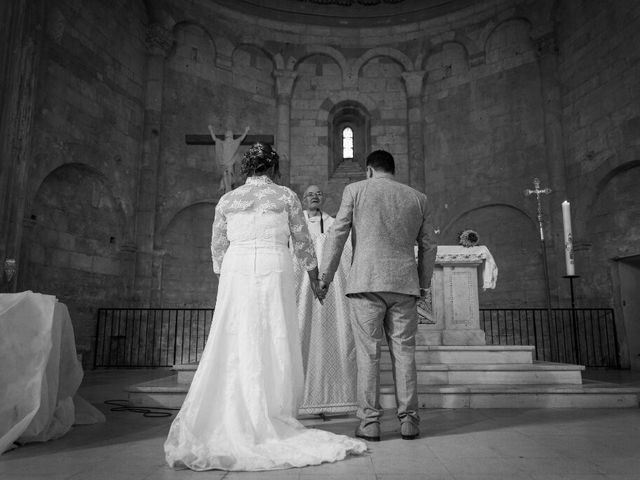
(300, 238)
(219, 240)
(301, 241)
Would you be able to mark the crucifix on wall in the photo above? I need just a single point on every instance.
(226, 147)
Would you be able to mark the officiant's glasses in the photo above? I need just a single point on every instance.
(313, 194)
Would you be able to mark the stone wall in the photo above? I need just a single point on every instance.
(473, 104)
(599, 71)
(82, 184)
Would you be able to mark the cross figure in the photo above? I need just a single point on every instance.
(226, 151)
(537, 191)
(198, 139)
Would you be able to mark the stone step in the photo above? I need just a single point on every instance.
(431, 355)
(502, 374)
(167, 392)
(186, 371)
(483, 354)
(519, 396)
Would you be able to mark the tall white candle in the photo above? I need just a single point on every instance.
(568, 238)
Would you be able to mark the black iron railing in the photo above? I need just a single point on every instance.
(162, 337)
(150, 337)
(585, 336)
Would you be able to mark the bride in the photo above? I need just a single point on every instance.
(240, 411)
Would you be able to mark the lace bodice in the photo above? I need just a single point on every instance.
(261, 213)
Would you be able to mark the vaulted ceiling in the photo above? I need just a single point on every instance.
(347, 12)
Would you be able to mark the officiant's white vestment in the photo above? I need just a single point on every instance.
(328, 348)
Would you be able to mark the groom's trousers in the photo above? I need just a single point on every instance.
(393, 315)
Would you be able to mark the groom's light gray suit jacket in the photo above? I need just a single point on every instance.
(386, 220)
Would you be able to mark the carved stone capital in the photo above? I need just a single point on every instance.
(546, 44)
(413, 81)
(159, 40)
(284, 82)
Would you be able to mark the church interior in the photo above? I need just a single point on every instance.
(498, 110)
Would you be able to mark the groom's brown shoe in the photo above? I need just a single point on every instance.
(409, 431)
(369, 431)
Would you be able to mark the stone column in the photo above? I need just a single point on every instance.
(22, 26)
(159, 41)
(550, 93)
(157, 268)
(413, 82)
(284, 88)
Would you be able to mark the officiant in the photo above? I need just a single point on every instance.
(328, 349)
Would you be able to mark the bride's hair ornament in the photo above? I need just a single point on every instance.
(259, 158)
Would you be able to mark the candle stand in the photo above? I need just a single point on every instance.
(574, 320)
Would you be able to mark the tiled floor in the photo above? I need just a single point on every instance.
(550, 444)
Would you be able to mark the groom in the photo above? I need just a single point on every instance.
(386, 219)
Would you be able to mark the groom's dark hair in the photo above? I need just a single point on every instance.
(381, 160)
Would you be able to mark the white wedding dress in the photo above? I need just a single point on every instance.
(240, 411)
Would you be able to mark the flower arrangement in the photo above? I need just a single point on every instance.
(468, 238)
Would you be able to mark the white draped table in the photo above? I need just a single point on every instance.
(39, 371)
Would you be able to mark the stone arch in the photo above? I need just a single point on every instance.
(73, 245)
(508, 38)
(606, 178)
(63, 156)
(462, 213)
(511, 236)
(187, 277)
(396, 55)
(178, 202)
(306, 68)
(252, 67)
(345, 96)
(610, 230)
(190, 38)
(330, 52)
(446, 60)
(257, 48)
(352, 114)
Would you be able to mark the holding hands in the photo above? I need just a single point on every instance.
(318, 292)
(323, 287)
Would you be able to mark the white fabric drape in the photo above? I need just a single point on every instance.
(39, 370)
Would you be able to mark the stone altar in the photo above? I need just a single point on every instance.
(455, 314)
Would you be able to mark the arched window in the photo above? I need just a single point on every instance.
(347, 143)
(349, 139)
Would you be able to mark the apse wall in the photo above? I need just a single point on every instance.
(82, 181)
(599, 70)
(458, 100)
(473, 105)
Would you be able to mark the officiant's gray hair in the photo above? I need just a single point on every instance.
(381, 160)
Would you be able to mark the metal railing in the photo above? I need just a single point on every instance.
(584, 336)
(150, 337)
(162, 337)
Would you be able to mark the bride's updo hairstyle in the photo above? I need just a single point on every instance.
(258, 159)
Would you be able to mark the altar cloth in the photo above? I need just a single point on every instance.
(39, 371)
